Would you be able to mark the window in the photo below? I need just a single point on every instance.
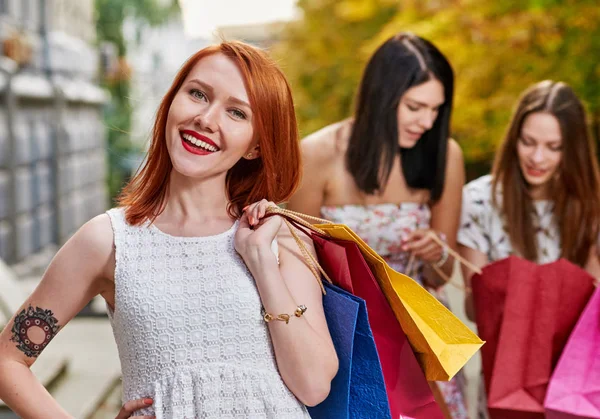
(33, 14)
(15, 8)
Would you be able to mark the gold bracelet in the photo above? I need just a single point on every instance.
(283, 317)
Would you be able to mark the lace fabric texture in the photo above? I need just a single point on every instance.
(188, 328)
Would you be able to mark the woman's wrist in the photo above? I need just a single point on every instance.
(259, 259)
(257, 253)
(442, 260)
(444, 257)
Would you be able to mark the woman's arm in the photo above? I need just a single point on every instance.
(445, 218)
(478, 259)
(78, 272)
(593, 263)
(304, 351)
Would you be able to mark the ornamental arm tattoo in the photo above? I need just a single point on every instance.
(33, 329)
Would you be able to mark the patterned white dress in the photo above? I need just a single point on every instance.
(483, 227)
(384, 227)
(189, 329)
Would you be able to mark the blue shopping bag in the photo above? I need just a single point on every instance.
(358, 389)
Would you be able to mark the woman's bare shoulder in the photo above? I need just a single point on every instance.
(325, 144)
(98, 233)
(94, 241)
(455, 154)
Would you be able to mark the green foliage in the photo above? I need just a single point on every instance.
(322, 57)
(497, 48)
(110, 15)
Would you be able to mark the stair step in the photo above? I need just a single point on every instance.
(48, 370)
(81, 394)
(11, 294)
(94, 369)
(111, 405)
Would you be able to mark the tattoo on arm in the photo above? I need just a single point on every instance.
(33, 329)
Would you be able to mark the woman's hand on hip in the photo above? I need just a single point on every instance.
(134, 405)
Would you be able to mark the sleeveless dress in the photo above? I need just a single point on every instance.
(189, 330)
(384, 227)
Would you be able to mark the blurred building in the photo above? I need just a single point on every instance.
(52, 140)
(260, 34)
(155, 54)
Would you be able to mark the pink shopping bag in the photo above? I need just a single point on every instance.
(574, 390)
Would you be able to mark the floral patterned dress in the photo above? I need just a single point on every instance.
(483, 228)
(384, 227)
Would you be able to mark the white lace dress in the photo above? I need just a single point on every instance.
(188, 326)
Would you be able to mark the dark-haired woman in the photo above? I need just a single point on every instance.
(391, 173)
(542, 199)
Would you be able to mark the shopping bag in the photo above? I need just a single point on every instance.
(408, 391)
(358, 389)
(574, 390)
(525, 312)
(442, 343)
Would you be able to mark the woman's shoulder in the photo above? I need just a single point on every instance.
(110, 228)
(326, 143)
(94, 242)
(455, 167)
(478, 193)
(454, 151)
(482, 185)
(98, 231)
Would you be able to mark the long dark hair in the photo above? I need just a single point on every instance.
(402, 62)
(576, 189)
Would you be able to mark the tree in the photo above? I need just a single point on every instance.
(322, 58)
(110, 16)
(497, 48)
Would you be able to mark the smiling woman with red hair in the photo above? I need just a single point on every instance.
(213, 309)
(275, 133)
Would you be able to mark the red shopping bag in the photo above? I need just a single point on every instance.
(574, 391)
(409, 393)
(525, 312)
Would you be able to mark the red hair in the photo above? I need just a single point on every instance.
(274, 176)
